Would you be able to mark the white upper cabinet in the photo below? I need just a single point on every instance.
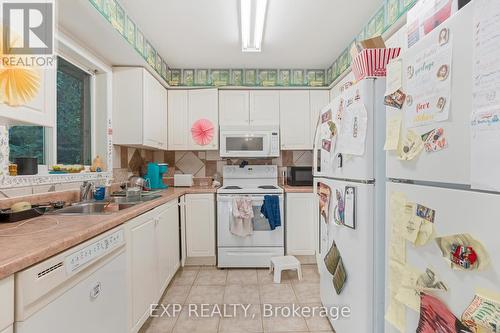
(41, 110)
(295, 120)
(254, 107)
(178, 120)
(318, 99)
(299, 112)
(185, 107)
(264, 107)
(139, 109)
(234, 107)
(204, 104)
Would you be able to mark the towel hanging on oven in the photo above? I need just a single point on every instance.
(241, 224)
(271, 210)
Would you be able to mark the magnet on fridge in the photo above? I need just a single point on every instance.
(350, 207)
(340, 160)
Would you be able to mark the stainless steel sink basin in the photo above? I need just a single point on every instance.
(83, 208)
(134, 200)
(99, 207)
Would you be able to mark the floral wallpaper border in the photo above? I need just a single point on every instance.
(381, 21)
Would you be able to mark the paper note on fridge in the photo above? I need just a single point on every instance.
(352, 135)
(396, 312)
(428, 84)
(485, 145)
(397, 246)
(463, 252)
(483, 313)
(394, 76)
(392, 132)
(486, 70)
(410, 146)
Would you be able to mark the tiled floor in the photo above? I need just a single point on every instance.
(193, 286)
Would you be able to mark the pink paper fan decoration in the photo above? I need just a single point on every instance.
(202, 132)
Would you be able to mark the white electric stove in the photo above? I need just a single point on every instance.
(255, 250)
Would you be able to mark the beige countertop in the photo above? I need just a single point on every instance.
(25, 243)
(297, 189)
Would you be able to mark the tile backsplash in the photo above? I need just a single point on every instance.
(198, 163)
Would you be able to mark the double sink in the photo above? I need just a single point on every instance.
(101, 207)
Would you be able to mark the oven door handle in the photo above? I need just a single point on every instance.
(230, 197)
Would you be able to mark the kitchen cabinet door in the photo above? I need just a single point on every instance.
(178, 129)
(200, 225)
(41, 110)
(7, 303)
(300, 224)
(167, 241)
(234, 107)
(155, 113)
(142, 252)
(264, 107)
(174, 239)
(295, 120)
(140, 105)
(9, 329)
(318, 99)
(203, 104)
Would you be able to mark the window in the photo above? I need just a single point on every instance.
(27, 141)
(73, 114)
(73, 133)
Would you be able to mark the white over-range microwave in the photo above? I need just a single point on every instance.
(249, 141)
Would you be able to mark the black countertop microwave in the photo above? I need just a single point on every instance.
(299, 176)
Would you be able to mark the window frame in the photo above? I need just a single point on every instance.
(50, 149)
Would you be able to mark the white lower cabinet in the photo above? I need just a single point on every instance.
(9, 329)
(200, 225)
(300, 224)
(167, 241)
(7, 304)
(153, 258)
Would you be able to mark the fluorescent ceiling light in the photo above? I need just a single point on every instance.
(252, 18)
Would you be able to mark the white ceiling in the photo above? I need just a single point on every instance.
(206, 33)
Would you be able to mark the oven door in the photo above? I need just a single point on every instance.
(244, 144)
(262, 233)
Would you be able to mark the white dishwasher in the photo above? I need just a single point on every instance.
(80, 290)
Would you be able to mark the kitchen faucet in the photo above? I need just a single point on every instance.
(86, 191)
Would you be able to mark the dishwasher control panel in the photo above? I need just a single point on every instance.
(94, 251)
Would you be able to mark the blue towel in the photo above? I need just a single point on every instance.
(271, 210)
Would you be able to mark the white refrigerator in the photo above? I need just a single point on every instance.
(440, 180)
(354, 218)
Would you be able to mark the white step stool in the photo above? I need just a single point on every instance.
(279, 264)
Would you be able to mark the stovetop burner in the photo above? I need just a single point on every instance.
(268, 187)
(233, 187)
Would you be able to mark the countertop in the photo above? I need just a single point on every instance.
(26, 243)
(297, 189)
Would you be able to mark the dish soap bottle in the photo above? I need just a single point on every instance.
(97, 165)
